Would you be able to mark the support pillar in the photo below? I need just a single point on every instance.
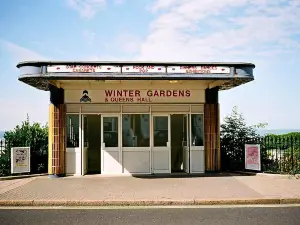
(212, 130)
(56, 145)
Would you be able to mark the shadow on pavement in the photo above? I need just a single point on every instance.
(186, 175)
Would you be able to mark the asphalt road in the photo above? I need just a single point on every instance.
(174, 216)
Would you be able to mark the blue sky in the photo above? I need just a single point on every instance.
(264, 32)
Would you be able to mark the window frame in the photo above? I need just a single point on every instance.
(203, 133)
(67, 130)
(135, 148)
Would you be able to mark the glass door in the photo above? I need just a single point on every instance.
(110, 144)
(197, 159)
(161, 152)
(186, 144)
(85, 143)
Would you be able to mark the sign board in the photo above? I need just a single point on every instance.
(138, 69)
(20, 160)
(144, 69)
(252, 157)
(199, 69)
(84, 69)
(119, 95)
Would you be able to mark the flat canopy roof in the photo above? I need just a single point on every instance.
(43, 63)
(39, 74)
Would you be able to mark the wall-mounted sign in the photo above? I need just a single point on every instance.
(20, 160)
(144, 69)
(143, 95)
(198, 69)
(83, 69)
(252, 157)
(135, 96)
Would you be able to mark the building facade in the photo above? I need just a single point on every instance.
(134, 117)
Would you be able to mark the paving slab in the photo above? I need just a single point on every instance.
(97, 190)
(273, 186)
(7, 185)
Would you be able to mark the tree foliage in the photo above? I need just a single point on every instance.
(234, 133)
(279, 153)
(34, 136)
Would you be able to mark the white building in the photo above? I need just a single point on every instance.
(134, 117)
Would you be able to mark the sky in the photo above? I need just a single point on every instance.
(263, 32)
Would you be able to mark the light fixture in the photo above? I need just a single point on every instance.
(173, 81)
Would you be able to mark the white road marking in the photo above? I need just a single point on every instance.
(151, 207)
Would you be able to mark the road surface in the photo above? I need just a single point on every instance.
(147, 216)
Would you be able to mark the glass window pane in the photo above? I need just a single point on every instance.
(72, 131)
(135, 130)
(197, 129)
(110, 131)
(160, 131)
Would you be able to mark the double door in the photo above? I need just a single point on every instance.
(161, 147)
(110, 144)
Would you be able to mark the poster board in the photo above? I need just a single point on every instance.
(252, 157)
(20, 160)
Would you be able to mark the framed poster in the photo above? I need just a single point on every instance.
(252, 157)
(20, 160)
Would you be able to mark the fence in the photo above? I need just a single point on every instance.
(281, 155)
(38, 157)
(278, 155)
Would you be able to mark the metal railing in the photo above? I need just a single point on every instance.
(279, 154)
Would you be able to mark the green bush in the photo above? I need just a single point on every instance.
(34, 136)
(234, 134)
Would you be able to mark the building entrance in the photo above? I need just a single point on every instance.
(178, 134)
(171, 146)
(139, 143)
(161, 162)
(92, 144)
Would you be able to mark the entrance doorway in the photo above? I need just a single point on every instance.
(171, 149)
(111, 144)
(92, 144)
(180, 157)
(161, 162)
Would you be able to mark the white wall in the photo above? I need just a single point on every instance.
(73, 161)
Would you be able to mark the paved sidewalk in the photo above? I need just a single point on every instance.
(95, 190)
(7, 185)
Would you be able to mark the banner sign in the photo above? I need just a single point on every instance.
(252, 157)
(198, 69)
(144, 69)
(83, 69)
(139, 69)
(20, 160)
